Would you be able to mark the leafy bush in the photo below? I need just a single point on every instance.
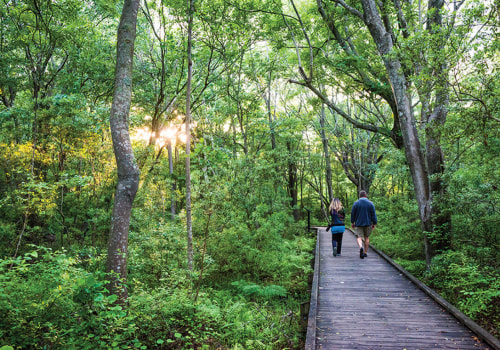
(256, 291)
(47, 301)
(398, 233)
(461, 280)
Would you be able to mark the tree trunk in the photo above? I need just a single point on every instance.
(128, 172)
(359, 162)
(171, 172)
(292, 181)
(267, 99)
(434, 122)
(412, 146)
(326, 151)
(189, 225)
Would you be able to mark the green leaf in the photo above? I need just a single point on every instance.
(99, 297)
(112, 298)
(159, 341)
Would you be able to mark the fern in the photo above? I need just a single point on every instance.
(253, 290)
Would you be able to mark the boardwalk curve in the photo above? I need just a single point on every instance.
(371, 304)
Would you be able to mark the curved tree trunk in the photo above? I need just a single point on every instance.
(128, 172)
(412, 146)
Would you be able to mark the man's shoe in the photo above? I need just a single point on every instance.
(361, 253)
(335, 252)
(366, 255)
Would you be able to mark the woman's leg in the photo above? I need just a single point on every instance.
(334, 244)
(339, 242)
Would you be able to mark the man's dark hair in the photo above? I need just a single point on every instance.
(363, 193)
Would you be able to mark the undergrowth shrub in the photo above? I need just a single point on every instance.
(256, 291)
(48, 302)
(398, 233)
(219, 319)
(472, 287)
(156, 253)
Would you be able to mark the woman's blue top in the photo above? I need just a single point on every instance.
(338, 221)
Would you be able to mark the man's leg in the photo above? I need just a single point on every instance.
(361, 251)
(367, 231)
(360, 242)
(360, 239)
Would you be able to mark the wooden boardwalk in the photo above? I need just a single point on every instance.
(369, 304)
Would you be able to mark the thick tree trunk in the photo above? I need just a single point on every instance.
(412, 146)
(435, 162)
(128, 172)
(435, 157)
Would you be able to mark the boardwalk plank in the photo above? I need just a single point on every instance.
(368, 304)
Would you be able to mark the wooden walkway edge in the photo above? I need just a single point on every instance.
(324, 284)
(313, 306)
(482, 333)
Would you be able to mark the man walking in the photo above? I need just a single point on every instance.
(363, 221)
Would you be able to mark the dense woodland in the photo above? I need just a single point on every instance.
(158, 160)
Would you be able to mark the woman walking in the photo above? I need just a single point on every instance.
(337, 225)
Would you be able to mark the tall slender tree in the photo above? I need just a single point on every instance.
(189, 224)
(326, 152)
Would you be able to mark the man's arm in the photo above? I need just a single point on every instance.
(374, 217)
(353, 215)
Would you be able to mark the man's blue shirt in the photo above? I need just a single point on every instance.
(363, 213)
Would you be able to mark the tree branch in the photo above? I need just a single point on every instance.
(350, 9)
(339, 111)
(307, 39)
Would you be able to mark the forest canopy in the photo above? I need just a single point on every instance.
(240, 117)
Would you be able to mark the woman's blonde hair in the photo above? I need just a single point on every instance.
(336, 205)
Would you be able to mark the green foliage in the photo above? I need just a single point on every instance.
(398, 233)
(218, 319)
(463, 281)
(254, 290)
(48, 300)
(251, 254)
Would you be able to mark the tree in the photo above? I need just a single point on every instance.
(128, 171)
(326, 152)
(372, 49)
(189, 225)
(359, 156)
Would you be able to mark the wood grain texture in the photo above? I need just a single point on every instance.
(369, 304)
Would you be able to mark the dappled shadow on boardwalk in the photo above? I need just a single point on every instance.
(368, 304)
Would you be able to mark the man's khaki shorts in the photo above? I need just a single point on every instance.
(363, 231)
